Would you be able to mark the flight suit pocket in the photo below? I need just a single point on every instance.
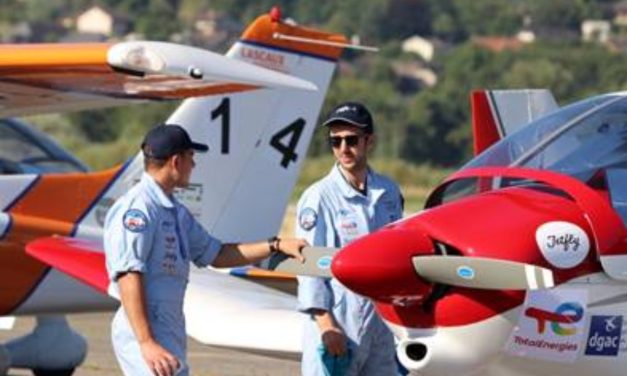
(339, 298)
(350, 225)
(170, 259)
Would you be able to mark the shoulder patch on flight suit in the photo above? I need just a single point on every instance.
(135, 220)
(307, 219)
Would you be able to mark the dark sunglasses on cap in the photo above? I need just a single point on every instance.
(336, 141)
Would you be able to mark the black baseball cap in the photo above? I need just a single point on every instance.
(165, 140)
(351, 113)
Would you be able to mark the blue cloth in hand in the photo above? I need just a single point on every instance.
(334, 365)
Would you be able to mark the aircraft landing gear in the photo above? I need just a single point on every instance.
(51, 349)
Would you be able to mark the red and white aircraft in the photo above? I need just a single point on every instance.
(256, 108)
(518, 264)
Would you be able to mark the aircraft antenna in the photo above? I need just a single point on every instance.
(325, 43)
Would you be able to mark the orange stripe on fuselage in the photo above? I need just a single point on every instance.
(51, 207)
(264, 29)
(63, 197)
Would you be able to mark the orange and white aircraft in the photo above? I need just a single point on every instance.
(256, 108)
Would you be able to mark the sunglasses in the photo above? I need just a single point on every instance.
(336, 141)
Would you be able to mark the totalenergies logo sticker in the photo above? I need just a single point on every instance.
(551, 325)
(563, 244)
(560, 321)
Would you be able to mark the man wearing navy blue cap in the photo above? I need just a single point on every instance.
(150, 240)
(345, 336)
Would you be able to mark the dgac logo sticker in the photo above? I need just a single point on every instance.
(604, 335)
(565, 314)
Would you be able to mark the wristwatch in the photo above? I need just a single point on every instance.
(273, 244)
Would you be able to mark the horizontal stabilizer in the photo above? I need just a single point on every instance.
(317, 262)
(60, 77)
(145, 58)
(81, 259)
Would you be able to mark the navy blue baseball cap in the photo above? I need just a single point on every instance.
(165, 140)
(351, 113)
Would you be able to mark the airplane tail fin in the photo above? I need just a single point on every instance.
(258, 138)
(498, 113)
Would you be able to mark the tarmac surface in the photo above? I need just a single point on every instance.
(204, 360)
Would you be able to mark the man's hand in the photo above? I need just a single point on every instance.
(292, 248)
(159, 360)
(334, 340)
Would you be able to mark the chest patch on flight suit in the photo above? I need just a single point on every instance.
(347, 221)
(307, 219)
(135, 220)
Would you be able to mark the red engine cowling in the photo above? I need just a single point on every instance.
(500, 224)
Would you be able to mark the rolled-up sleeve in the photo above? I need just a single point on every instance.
(313, 223)
(203, 247)
(128, 238)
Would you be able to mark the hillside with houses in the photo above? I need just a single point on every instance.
(432, 54)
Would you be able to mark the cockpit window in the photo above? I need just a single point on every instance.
(578, 140)
(17, 147)
(24, 150)
(597, 141)
(549, 142)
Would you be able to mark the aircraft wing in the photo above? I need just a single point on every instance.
(43, 78)
(220, 308)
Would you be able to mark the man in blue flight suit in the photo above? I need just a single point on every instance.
(150, 240)
(351, 201)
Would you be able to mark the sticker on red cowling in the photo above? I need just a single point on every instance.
(550, 326)
(563, 244)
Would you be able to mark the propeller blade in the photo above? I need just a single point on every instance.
(317, 262)
(482, 273)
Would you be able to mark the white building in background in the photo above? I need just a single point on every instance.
(596, 31)
(526, 36)
(95, 20)
(419, 46)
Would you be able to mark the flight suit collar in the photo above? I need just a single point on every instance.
(156, 192)
(374, 190)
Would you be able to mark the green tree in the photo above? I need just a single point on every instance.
(489, 17)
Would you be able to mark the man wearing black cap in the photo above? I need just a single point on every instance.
(150, 240)
(345, 336)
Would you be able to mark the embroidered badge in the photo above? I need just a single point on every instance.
(135, 220)
(307, 219)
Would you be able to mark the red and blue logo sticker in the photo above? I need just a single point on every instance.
(307, 219)
(135, 220)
